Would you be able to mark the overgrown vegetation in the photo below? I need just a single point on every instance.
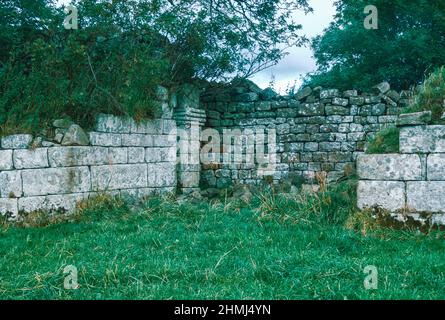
(278, 247)
(408, 44)
(124, 48)
(431, 96)
(385, 141)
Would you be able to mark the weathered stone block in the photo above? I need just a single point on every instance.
(328, 94)
(388, 195)
(105, 139)
(340, 102)
(422, 139)
(9, 207)
(6, 160)
(77, 156)
(136, 155)
(75, 136)
(117, 156)
(65, 202)
(164, 140)
(426, 196)
(154, 155)
(161, 174)
(336, 110)
(17, 141)
(10, 184)
(123, 176)
(436, 167)
(310, 109)
(41, 182)
(189, 179)
(417, 118)
(30, 159)
(389, 167)
(137, 140)
(113, 124)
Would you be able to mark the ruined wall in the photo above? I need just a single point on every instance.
(123, 158)
(316, 130)
(411, 183)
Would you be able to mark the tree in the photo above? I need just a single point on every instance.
(124, 48)
(408, 44)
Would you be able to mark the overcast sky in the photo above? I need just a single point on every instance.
(300, 60)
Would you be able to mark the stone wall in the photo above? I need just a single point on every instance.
(411, 183)
(317, 131)
(123, 158)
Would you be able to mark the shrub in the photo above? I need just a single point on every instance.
(385, 141)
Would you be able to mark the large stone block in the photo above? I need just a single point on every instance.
(65, 202)
(436, 167)
(8, 207)
(389, 167)
(154, 155)
(42, 182)
(161, 174)
(388, 195)
(189, 179)
(310, 109)
(422, 139)
(116, 177)
(426, 196)
(10, 184)
(30, 159)
(6, 160)
(136, 155)
(105, 139)
(137, 140)
(17, 141)
(77, 156)
(113, 124)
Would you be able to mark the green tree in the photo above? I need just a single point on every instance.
(408, 44)
(124, 48)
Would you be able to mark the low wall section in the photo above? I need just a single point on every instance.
(411, 182)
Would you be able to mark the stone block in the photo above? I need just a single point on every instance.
(105, 139)
(6, 160)
(329, 94)
(161, 174)
(123, 176)
(77, 156)
(189, 179)
(137, 140)
(17, 141)
(30, 159)
(426, 196)
(136, 155)
(389, 167)
(417, 118)
(65, 202)
(8, 207)
(387, 195)
(154, 155)
(436, 167)
(422, 139)
(10, 184)
(310, 109)
(41, 182)
(113, 124)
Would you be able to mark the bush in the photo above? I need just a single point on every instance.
(385, 141)
(431, 96)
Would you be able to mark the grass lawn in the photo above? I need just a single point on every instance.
(165, 250)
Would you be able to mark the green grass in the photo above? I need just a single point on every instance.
(273, 248)
(385, 141)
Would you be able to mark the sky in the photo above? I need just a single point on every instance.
(299, 61)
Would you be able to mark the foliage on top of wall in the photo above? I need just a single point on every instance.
(122, 49)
